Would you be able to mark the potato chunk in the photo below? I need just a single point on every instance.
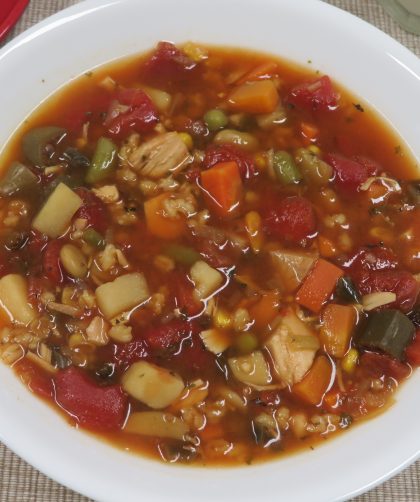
(156, 423)
(251, 369)
(205, 278)
(291, 267)
(55, 215)
(14, 298)
(124, 293)
(157, 387)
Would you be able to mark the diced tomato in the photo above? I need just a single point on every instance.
(51, 261)
(318, 95)
(213, 254)
(93, 210)
(349, 174)
(125, 354)
(226, 153)
(166, 64)
(195, 357)
(92, 406)
(377, 365)
(184, 294)
(400, 282)
(291, 219)
(413, 350)
(141, 115)
(372, 167)
(38, 382)
(168, 336)
(370, 259)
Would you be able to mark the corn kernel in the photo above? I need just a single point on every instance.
(253, 228)
(314, 149)
(222, 319)
(76, 339)
(350, 360)
(260, 161)
(187, 139)
(251, 197)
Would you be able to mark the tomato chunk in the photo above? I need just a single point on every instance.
(184, 294)
(89, 404)
(318, 95)
(167, 337)
(141, 115)
(413, 350)
(226, 153)
(93, 210)
(292, 219)
(377, 365)
(349, 174)
(51, 261)
(167, 63)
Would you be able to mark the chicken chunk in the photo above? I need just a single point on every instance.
(162, 155)
(292, 348)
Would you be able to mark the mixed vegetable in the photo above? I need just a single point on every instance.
(207, 257)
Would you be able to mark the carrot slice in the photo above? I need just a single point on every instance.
(266, 309)
(160, 225)
(259, 96)
(309, 131)
(318, 285)
(263, 70)
(315, 383)
(338, 322)
(222, 186)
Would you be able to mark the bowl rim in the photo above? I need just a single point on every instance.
(72, 13)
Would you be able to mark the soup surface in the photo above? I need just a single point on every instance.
(209, 256)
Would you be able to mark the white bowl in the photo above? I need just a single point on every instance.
(373, 66)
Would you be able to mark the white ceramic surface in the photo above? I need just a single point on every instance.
(354, 53)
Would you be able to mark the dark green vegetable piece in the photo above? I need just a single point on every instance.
(75, 158)
(18, 178)
(103, 161)
(94, 238)
(35, 142)
(389, 331)
(285, 168)
(346, 290)
(182, 254)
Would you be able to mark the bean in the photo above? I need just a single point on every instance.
(215, 119)
(73, 261)
(285, 168)
(313, 169)
(241, 139)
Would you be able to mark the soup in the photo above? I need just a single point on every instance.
(209, 256)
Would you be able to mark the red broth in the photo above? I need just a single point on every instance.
(209, 256)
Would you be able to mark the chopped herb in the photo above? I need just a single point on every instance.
(359, 107)
(398, 150)
(88, 73)
(309, 61)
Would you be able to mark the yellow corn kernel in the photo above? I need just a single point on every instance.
(222, 319)
(187, 139)
(314, 149)
(195, 52)
(350, 360)
(383, 234)
(251, 197)
(260, 161)
(76, 339)
(253, 228)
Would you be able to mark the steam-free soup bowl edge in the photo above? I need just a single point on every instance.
(373, 66)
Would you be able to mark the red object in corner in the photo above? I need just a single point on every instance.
(10, 12)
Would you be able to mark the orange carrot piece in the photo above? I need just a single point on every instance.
(266, 309)
(259, 96)
(315, 383)
(309, 131)
(263, 70)
(326, 247)
(338, 322)
(222, 186)
(160, 225)
(318, 285)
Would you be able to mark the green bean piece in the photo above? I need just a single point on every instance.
(285, 168)
(18, 178)
(314, 170)
(35, 142)
(215, 120)
(94, 238)
(182, 254)
(103, 161)
(346, 290)
(246, 343)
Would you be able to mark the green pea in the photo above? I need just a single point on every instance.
(246, 343)
(285, 168)
(215, 119)
(94, 238)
